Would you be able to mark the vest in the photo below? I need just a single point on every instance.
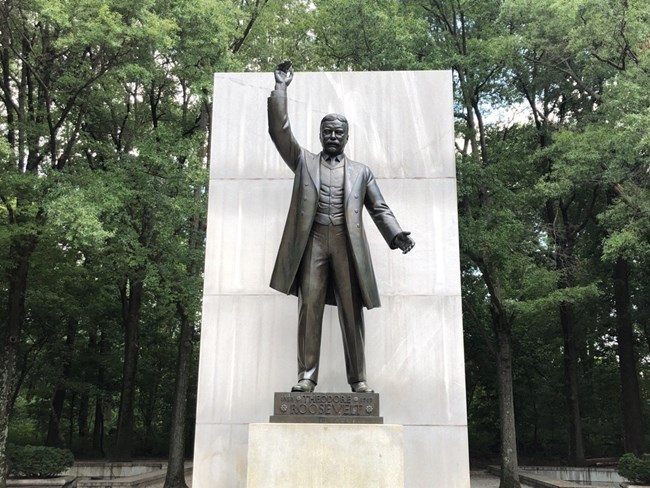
(330, 209)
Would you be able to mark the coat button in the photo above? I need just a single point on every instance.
(356, 210)
(358, 226)
(356, 196)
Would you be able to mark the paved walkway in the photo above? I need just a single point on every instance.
(483, 479)
(478, 479)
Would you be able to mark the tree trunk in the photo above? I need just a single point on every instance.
(131, 302)
(98, 425)
(7, 373)
(54, 434)
(175, 477)
(176, 462)
(509, 461)
(502, 327)
(147, 409)
(576, 445)
(84, 400)
(19, 252)
(73, 399)
(54, 438)
(564, 237)
(82, 421)
(633, 440)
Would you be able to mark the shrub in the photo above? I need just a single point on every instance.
(38, 461)
(635, 469)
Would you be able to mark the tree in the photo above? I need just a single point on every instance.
(603, 41)
(465, 36)
(52, 55)
(545, 74)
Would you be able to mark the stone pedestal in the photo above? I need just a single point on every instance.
(315, 456)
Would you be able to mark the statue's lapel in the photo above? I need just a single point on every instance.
(313, 168)
(351, 175)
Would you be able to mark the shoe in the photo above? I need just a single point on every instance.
(305, 386)
(361, 387)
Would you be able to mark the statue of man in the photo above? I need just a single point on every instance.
(324, 255)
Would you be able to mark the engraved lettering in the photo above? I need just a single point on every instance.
(344, 406)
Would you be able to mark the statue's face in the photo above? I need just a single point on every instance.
(333, 137)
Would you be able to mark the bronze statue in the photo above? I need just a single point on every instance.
(324, 255)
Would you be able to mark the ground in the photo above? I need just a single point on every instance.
(483, 479)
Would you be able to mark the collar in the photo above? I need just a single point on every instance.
(333, 161)
(338, 158)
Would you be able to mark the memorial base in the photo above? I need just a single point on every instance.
(322, 455)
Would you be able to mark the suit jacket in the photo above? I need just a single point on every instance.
(360, 189)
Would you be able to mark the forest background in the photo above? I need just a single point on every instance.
(106, 108)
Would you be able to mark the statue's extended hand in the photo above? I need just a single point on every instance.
(284, 73)
(404, 242)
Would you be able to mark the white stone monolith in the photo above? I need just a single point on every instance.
(401, 126)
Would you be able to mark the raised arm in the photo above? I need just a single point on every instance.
(279, 126)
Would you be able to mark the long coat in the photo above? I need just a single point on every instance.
(360, 189)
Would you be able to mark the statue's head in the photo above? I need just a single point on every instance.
(333, 134)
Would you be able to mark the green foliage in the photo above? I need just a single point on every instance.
(116, 137)
(38, 461)
(375, 35)
(106, 168)
(635, 469)
(23, 425)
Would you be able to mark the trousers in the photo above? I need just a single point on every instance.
(327, 261)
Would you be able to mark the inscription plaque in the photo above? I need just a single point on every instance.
(319, 408)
